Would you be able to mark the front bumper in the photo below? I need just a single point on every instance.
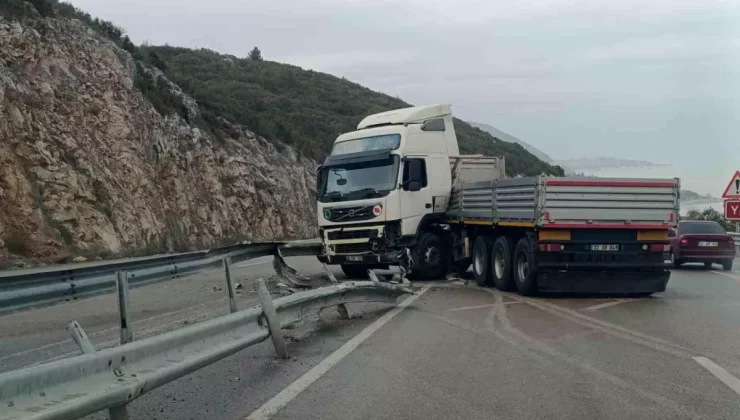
(701, 256)
(359, 259)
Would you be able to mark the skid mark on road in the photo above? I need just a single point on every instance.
(488, 305)
(609, 304)
(720, 373)
(724, 274)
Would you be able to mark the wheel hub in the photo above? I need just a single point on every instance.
(498, 264)
(522, 267)
(479, 262)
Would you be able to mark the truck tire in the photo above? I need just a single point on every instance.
(501, 264)
(727, 265)
(355, 271)
(708, 265)
(523, 267)
(482, 249)
(430, 259)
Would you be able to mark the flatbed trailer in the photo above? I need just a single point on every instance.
(565, 234)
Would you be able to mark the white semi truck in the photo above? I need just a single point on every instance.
(397, 192)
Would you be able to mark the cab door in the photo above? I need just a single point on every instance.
(416, 194)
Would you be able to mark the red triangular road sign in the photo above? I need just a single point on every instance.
(733, 188)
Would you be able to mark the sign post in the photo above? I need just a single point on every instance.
(732, 200)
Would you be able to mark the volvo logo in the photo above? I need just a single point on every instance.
(351, 213)
(327, 214)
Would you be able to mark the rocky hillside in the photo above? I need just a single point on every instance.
(88, 165)
(110, 148)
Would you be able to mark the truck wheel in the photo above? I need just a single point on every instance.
(355, 271)
(482, 248)
(501, 264)
(430, 259)
(525, 279)
(727, 265)
(707, 265)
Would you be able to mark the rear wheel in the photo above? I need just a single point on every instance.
(525, 279)
(482, 248)
(727, 265)
(708, 265)
(501, 258)
(430, 259)
(675, 261)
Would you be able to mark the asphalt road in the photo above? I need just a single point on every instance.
(454, 351)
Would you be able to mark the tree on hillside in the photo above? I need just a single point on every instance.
(710, 214)
(255, 54)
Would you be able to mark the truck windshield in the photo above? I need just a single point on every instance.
(356, 181)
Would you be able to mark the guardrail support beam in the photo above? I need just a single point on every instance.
(273, 322)
(79, 337)
(229, 285)
(127, 335)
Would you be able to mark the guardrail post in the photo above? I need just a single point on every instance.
(229, 286)
(127, 335)
(329, 274)
(79, 337)
(273, 323)
(118, 413)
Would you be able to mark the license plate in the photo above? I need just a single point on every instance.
(604, 247)
(354, 258)
(704, 243)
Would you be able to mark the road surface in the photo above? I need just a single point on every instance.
(453, 351)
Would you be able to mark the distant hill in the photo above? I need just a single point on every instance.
(495, 132)
(602, 163)
(303, 108)
(688, 195)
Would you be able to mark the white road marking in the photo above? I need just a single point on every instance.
(488, 305)
(725, 274)
(608, 304)
(720, 373)
(285, 396)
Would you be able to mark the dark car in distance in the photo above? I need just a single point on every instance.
(701, 241)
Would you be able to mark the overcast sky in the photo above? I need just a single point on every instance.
(633, 79)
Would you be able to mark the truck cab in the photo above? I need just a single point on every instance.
(380, 183)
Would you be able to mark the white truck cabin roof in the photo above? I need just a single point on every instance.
(410, 115)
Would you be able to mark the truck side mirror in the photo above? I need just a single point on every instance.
(319, 172)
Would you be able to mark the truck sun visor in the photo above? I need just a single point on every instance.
(357, 157)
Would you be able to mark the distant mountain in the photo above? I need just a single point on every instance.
(601, 163)
(495, 132)
(688, 195)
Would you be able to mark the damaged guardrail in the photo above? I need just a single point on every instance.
(111, 378)
(28, 290)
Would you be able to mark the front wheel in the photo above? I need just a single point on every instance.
(525, 279)
(727, 265)
(430, 259)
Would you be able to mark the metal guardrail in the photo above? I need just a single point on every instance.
(111, 378)
(28, 290)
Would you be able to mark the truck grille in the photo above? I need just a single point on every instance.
(346, 214)
(353, 248)
(352, 234)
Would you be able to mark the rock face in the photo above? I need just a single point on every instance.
(87, 164)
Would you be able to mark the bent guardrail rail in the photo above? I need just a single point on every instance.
(28, 290)
(111, 378)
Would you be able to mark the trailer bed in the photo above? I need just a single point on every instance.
(568, 202)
